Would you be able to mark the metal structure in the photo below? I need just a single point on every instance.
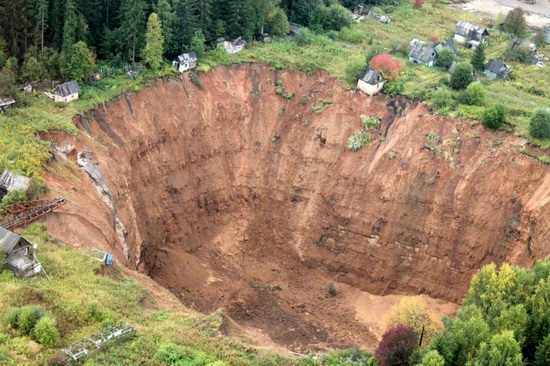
(21, 213)
(101, 339)
(102, 256)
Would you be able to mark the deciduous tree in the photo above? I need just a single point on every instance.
(78, 62)
(515, 22)
(396, 346)
(388, 66)
(461, 76)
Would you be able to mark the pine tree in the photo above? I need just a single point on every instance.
(187, 24)
(152, 53)
(70, 25)
(17, 25)
(133, 17)
(478, 57)
(203, 13)
(167, 18)
(42, 18)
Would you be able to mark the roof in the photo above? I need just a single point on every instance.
(4, 102)
(469, 30)
(295, 28)
(422, 52)
(8, 240)
(371, 76)
(495, 66)
(450, 43)
(68, 88)
(239, 42)
(188, 57)
(524, 44)
(20, 262)
(10, 181)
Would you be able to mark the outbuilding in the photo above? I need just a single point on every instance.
(20, 254)
(67, 92)
(6, 103)
(422, 54)
(496, 69)
(10, 181)
(470, 35)
(371, 81)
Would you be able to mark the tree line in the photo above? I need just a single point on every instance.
(45, 39)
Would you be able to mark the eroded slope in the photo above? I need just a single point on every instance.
(240, 198)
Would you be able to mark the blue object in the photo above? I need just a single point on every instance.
(109, 259)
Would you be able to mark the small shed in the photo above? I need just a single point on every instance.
(295, 29)
(10, 181)
(6, 103)
(448, 43)
(233, 47)
(67, 92)
(186, 61)
(371, 81)
(422, 54)
(529, 47)
(496, 69)
(470, 35)
(358, 12)
(20, 254)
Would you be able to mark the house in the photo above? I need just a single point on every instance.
(496, 69)
(529, 47)
(264, 37)
(10, 181)
(358, 12)
(422, 54)
(67, 92)
(231, 47)
(20, 254)
(371, 81)
(6, 103)
(295, 29)
(453, 67)
(448, 43)
(470, 35)
(186, 61)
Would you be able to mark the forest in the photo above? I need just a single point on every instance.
(46, 39)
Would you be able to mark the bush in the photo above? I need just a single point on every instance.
(475, 94)
(442, 98)
(358, 140)
(351, 35)
(396, 346)
(304, 38)
(433, 358)
(370, 122)
(17, 195)
(445, 58)
(353, 70)
(45, 332)
(539, 123)
(388, 66)
(11, 317)
(461, 76)
(29, 316)
(495, 116)
(393, 87)
(517, 54)
(58, 360)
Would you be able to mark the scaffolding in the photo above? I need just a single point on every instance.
(100, 340)
(21, 213)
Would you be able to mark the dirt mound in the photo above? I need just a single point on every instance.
(234, 196)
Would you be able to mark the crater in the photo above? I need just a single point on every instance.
(232, 196)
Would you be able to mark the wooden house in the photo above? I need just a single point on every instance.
(470, 35)
(496, 69)
(10, 181)
(6, 103)
(233, 47)
(186, 61)
(20, 254)
(422, 54)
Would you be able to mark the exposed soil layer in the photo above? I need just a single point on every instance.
(240, 198)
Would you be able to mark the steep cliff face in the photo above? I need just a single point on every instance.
(235, 196)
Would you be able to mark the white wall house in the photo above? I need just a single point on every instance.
(186, 61)
(67, 92)
(371, 81)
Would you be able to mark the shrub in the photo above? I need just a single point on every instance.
(353, 70)
(280, 90)
(495, 116)
(412, 313)
(11, 317)
(304, 38)
(45, 332)
(3, 260)
(388, 66)
(30, 314)
(539, 123)
(418, 3)
(445, 58)
(373, 52)
(475, 94)
(517, 54)
(370, 122)
(396, 346)
(358, 140)
(17, 195)
(331, 290)
(393, 87)
(351, 35)
(539, 39)
(461, 76)
(442, 97)
(58, 360)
